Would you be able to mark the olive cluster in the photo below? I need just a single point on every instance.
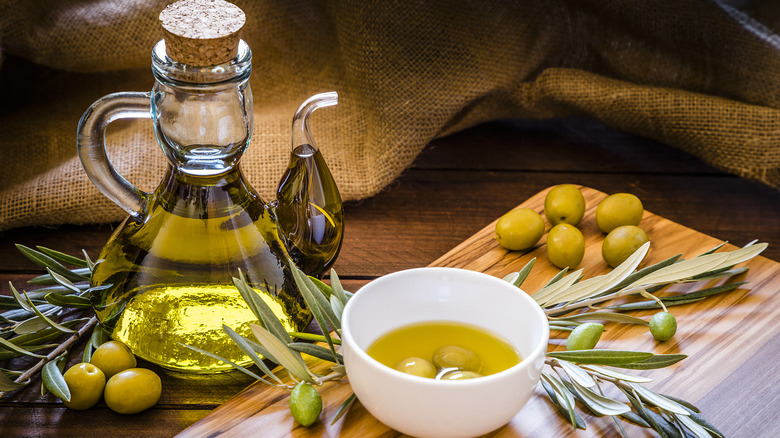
(618, 215)
(111, 373)
(449, 362)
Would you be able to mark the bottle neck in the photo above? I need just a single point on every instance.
(202, 115)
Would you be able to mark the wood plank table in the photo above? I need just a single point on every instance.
(457, 187)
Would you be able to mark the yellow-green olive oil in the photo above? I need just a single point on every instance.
(423, 339)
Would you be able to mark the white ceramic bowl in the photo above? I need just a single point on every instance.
(429, 408)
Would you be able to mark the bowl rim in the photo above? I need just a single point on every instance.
(538, 350)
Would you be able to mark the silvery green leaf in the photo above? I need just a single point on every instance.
(693, 426)
(7, 384)
(69, 301)
(45, 261)
(337, 288)
(580, 423)
(52, 378)
(48, 321)
(606, 316)
(30, 325)
(45, 335)
(682, 270)
(517, 278)
(543, 295)
(576, 373)
(617, 374)
(659, 424)
(598, 403)
(317, 351)
(260, 308)
(337, 307)
(636, 419)
(62, 257)
(9, 346)
(234, 365)
(651, 304)
(62, 281)
(344, 408)
(90, 264)
(313, 337)
(314, 305)
(595, 285)
(565, 398)
(259, 349)
(557, 277)
(324, 288)
(310, 292)
(719, 246)
(291, 361)
(601, 357)
(578, 291)
(19, 299)
(247, 349)
(658, 400)
(706, 424)
(703, 293)
(10, 354)
(643, 272)
(655, 362)
(743, 254)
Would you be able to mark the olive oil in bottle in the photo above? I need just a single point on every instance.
(310, 212)
(167, 282)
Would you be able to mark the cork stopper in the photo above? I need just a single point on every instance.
(202, 32)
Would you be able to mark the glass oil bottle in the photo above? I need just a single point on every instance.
(164, 280)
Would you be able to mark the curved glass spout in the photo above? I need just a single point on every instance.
(309, 209)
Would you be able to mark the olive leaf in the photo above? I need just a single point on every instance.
(65, 258)
(313, 337)
(517, 278)
(575, 373)
(249, 351)
(9, 345)
(564, 397)
(48, 321)
(607, 372)
(694, 427)
(292, 362)
(579, 422)
(317, 351)
(6, 384)
(53, 380)
(344, 408)
(69, 301)
(597, 402)
(658, 400)
(48, 262)
(602, 357)
(260, 308)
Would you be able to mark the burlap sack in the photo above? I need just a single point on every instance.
(701, 75)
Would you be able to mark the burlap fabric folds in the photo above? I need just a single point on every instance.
(700, 75)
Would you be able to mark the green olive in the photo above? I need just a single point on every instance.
(564, 204)
(417, 366)
(584, 336)
(305, 404)
(519, 229)
(618, 210)
(132, 390)
(663, 326)
(85, 383)
(565, 246)
(113, 357)
(460, 375)
(621, 242)
(454, 356)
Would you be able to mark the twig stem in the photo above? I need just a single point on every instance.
(56, 352)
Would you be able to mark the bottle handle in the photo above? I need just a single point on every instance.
(91, 142)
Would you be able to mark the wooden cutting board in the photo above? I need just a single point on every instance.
(731, 340)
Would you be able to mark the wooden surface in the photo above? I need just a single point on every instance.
(457, 186)
(733, 326)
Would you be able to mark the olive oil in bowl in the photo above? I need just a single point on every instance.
(449, 346)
